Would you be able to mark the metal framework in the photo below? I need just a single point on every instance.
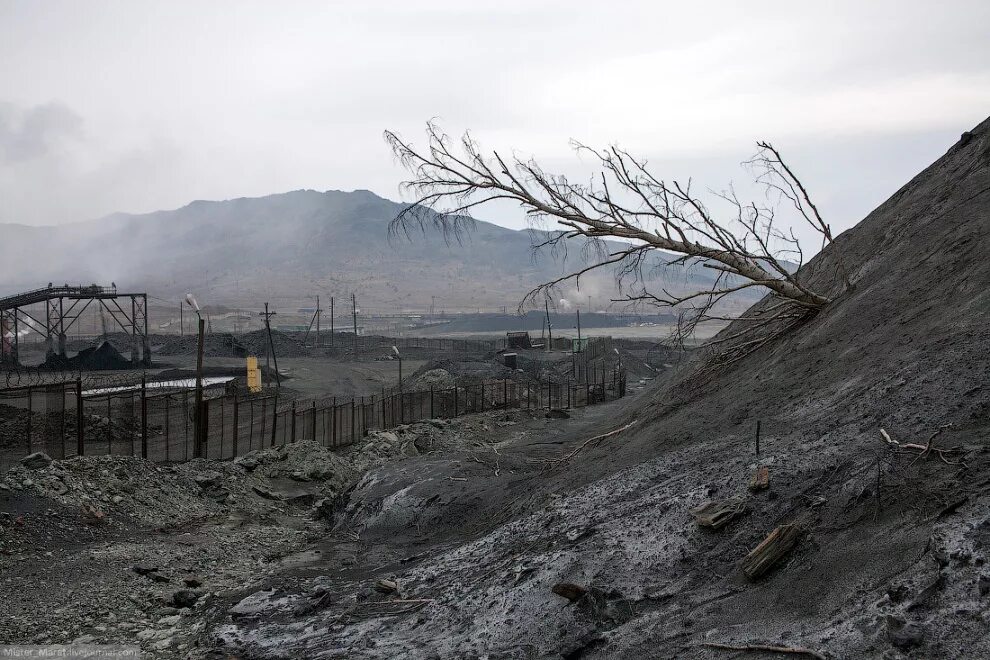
(63, 307)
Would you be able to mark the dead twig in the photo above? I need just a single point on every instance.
(590, 441)
(766, 648)
(926, 450)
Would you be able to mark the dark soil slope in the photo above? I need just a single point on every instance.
(892, 557)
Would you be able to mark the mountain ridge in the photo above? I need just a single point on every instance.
(298, 243)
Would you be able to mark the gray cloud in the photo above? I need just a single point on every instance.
(139, 106)
(36, 132)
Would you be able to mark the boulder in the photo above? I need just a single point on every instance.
(36, 461)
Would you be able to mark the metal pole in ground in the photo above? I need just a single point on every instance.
(198, 405)
(80, 425)
(237, 435)
(144, 417)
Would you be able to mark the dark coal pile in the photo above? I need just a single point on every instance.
(287, 344)
(461, 372)
(104, 357)
(834, 541)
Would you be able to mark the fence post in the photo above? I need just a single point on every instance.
(431, 402)
(482, 396)
(293, 421)
(236, 438)
(205, 417)
(333, 434)
(353, 437)
(144, 417)
(568, 394)
(30, 415)
(274, 420)
(455, 399)
(314, 420)
(505, 394)
(80, 424)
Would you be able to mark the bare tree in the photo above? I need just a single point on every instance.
(640, 213)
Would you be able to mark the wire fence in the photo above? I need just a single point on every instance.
(65, 419)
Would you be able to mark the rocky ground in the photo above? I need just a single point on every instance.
(109, 549)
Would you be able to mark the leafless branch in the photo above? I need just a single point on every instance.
(643, 218)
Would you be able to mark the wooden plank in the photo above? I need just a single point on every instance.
(760, 480)
(717, 515)
(773, 548)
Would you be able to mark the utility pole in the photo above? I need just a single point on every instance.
(270, 349)
(546, 304)
(579, 325)
(317, 321)
(182, 322)
(331, 321)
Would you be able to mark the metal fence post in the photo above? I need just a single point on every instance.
(205, 442)
(293, 436)
(352, 419)
(235, 449)
(29, 416)
(314, 421)
(144, 417)
(80, 424)
(431, 402)
(274, 419)
(455, 400)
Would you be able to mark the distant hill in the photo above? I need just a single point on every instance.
(294, 245)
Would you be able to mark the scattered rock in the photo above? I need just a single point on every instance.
(248, 462)
(569, 590)
(265, 493)
(903, 634)
(926, 594)
(192, 582)
(386, 586)
(208, 480)
(184, 598)
(92, 514)
(36, 461)
(558, 414)
(983, 585)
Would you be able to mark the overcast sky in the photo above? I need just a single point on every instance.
(137, 106)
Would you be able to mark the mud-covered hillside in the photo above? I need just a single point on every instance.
(516, 555)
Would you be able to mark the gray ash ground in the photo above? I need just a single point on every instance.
(109, 549)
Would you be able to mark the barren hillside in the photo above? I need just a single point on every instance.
(504, 553)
